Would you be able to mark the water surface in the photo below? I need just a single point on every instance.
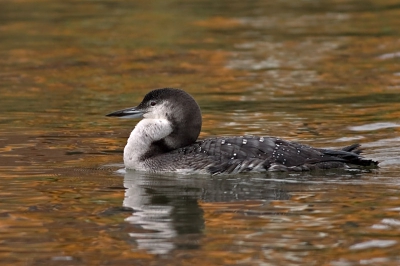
(321, 73)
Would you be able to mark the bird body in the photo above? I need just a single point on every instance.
(165, 140)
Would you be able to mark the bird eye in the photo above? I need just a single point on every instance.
(152, 103)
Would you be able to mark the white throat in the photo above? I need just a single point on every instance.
(142, 136)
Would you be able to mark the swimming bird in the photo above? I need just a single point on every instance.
(165, 140)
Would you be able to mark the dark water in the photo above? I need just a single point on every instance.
(324, 73)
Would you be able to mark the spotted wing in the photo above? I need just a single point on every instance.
(248, 153)
(274, 150)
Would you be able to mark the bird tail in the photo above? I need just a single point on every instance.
(351, 155)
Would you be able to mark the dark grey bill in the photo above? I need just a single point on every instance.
(128, 113)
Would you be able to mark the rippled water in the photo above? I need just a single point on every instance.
(321, 73)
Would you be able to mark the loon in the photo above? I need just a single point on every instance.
(165, 140)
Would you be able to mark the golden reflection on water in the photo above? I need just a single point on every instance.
(322, 224)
